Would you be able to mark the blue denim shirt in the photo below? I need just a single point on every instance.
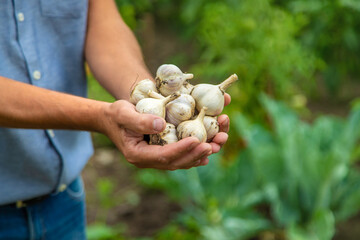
(41, 43)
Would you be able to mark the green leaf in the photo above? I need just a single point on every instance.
(320, 227)
(101, 231)
(235, 229)
(353, 4)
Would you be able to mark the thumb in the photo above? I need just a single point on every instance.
(140, 122)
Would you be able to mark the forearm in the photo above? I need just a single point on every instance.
(112, 51)
(27, 106)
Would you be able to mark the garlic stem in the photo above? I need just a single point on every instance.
(155, 95)
(201, 115)
(170, 98)
(188, 75)
(227, 82)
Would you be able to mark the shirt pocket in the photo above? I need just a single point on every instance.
(63, 8)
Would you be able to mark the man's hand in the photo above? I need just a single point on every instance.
(126, 128)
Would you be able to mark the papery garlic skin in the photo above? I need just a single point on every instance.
(193, 128)
(212, 96)
(155, 106)
(207, 95)
(212, 127)
(170, 79)
(165, 137)
(186, 88)
(141, 89)
(180, 109)
(155, 95)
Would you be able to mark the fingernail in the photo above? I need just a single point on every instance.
(205, 154)
(158, 124)
(227, 121)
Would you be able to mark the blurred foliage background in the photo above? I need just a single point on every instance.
(290, 167)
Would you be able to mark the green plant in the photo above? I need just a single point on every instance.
(105, 188)
(258, 43)
(307, 171)
(331, 32)
(101, 231)
(131, 10)
(293, 179)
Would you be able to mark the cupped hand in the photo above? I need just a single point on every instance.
(126, 128)
(221, 137)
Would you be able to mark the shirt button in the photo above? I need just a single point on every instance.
(51, 133)
(36, 75)
(21, 17)
(62, 187)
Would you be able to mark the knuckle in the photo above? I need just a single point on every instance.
(143, 122)
(131, 161)
(130, 157)
(121, 102)
(121, 106)
(164, 160)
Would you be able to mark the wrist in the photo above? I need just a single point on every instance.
(102, 118)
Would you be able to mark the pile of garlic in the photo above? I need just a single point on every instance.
(173, 98)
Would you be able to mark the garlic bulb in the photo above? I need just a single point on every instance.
(212, 96)
(155, 106)
(194, 127)
(212, 127)
(180, 109)
(165, 137)
(141, 89)
(169, 79)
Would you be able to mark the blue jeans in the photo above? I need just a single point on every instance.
(60, 216)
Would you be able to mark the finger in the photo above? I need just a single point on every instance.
(218, 141)
(160, 156)
(227, 99)
(215, 147)
(139, 122)
(224, 123)
(220, 138)
(190, 159)
(197, 163)
(204, 162)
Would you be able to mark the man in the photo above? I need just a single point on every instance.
(42, 88)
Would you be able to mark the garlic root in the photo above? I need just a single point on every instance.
(165, 137)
